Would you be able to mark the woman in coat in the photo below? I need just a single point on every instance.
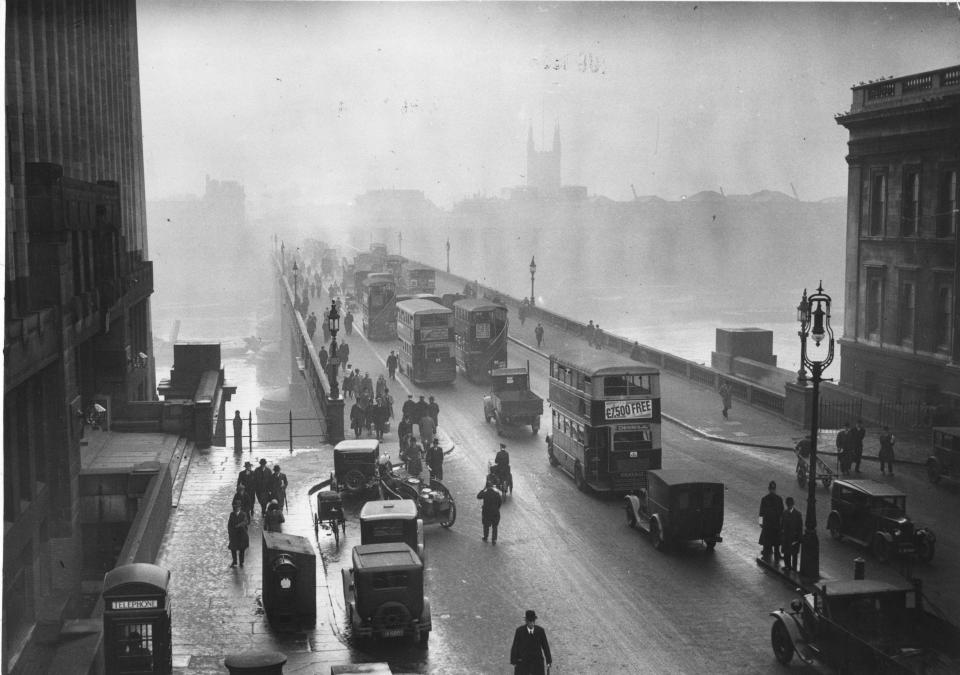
(237, 532)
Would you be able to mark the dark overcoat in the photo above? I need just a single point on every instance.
(237, 531)
(528, 652)
(771, 511)
(791, 528)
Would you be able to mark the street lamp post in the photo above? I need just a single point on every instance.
(801, 317)
(296, 279)
(533, 272)
(814, 323)
(334, 402)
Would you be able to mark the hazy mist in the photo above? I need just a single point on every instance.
(322, 101)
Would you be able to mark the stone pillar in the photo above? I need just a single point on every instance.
(798, 404)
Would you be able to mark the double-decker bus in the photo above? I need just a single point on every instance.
(480, 329)
(417, 279)
(377, 308)
(425, 330)
(606, 419)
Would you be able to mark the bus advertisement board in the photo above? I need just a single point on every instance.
(628, 410)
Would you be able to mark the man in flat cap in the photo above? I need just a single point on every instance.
(530, 648)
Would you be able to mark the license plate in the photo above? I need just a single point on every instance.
(393, 632)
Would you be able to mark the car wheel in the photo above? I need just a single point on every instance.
(451, 517)
(578, 479)
(631, 518)
(424, 639)
(925, 550)
(354, 480)
(826, 481)
(711, 543)
(880, 549)
(781, 643)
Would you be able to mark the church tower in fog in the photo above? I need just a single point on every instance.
(543, 167)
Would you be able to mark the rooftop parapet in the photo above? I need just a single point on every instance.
(895, 92)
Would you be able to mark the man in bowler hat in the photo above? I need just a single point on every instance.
(530, 648)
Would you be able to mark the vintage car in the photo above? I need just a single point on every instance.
(945, 461)
(864, 626)
(355, 464)
(383, 593)
(677, 505)
(510, 400)
(874, 515)
(392, 520)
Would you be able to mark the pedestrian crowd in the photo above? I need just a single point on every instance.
(268, 488)
(594, 335)
(781, 529)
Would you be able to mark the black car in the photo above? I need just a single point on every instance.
(864, 626)
(874, 515)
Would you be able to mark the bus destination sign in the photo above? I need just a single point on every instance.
(628, 410)
(133, 604)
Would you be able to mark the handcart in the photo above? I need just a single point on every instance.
(824, 473)
(435, 503)
(328, 512)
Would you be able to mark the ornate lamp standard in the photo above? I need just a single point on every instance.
(815, 308)
(533, 272)
(334, 402)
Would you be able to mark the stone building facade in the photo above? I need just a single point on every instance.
(78, 284)
(901, 340)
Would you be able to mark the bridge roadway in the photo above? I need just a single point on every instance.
(609, 601)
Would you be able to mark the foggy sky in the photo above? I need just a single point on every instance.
(327, 100)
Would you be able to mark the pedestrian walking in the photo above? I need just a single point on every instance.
(726, 396)
(791, 530)
(245, 499)
(238, 540)
(261, 484)
(348, 384)
(388, 402)
(348, 322)
(324, 357)
(490, 511)
(278, 486)
(414, 461)
(379, 413)
(538, 331)
(380, 386)
(435, 459)
(366, 386)
(859, 433)
(237, 432)
(771, 512)
(433, 409)
(272, 521)
(522, 311)
(356, 419)
(530, 649)
(422, 409)
(598, 338)
(404, 429)
(845, 445)
(887, 441)
(591, 329)
(246, 478)
(409, 409)
(312, 324)
(392, 363)
(343, 353)
(427, 430)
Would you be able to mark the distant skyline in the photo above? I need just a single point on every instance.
(325, 101)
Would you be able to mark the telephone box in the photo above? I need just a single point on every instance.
(136, 620)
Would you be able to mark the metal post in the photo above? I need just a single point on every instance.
(250, 427)
(291, 431)
(810, 547)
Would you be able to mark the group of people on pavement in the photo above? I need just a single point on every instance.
(781, 529)
(594, 335)
(269, 488)
(850, 448)
(372, 407)
(427, 451)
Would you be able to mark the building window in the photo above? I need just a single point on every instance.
(947, 204)
(911, 204)
(908, 310)
(944, 317)
(878, 205)
(874, 304)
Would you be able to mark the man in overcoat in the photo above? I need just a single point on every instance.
(261, 485)
(530, 648)
(771, 512)
(490, 511)
(791, 532)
